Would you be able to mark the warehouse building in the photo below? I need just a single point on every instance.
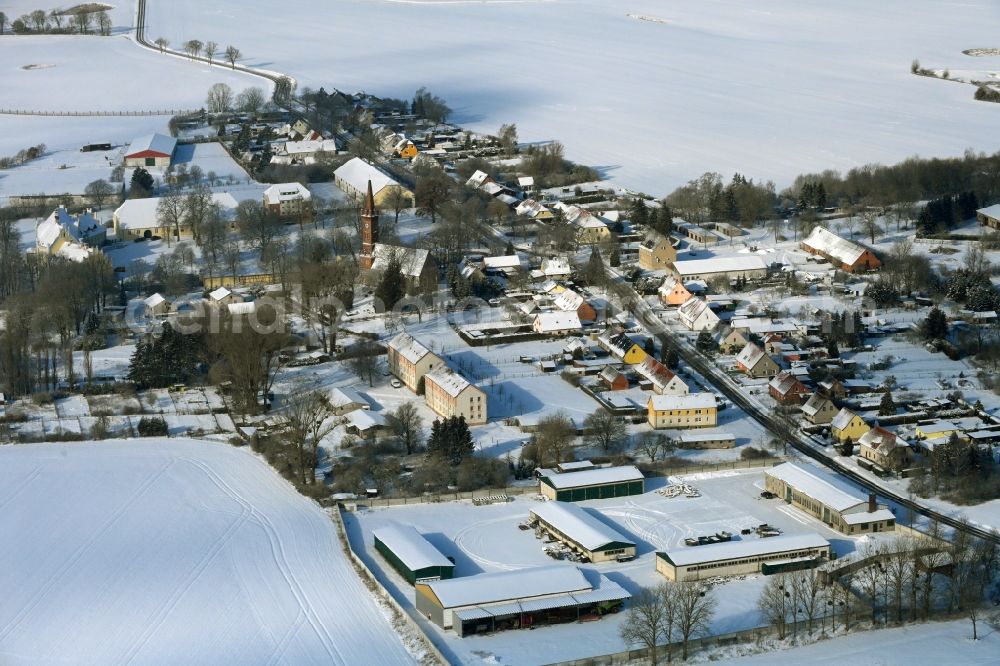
(838, 509)
(597, 483)
(517, 599)
(574, 526)
(736, 558)
(413, 556)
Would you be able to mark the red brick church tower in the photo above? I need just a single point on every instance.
(369, 231)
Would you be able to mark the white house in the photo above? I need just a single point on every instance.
(556, 323)
(156, 305)
(69, 236)
(696, 315)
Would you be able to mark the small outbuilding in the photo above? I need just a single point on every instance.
(413, 556)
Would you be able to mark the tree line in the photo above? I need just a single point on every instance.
(80, 20)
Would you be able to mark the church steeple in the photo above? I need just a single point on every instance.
(369, 230)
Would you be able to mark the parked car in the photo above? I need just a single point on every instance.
(395, 383)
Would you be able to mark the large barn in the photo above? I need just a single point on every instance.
(597, 483)
(413, 556)
(581, 531)
(517, 599)
(151, 150)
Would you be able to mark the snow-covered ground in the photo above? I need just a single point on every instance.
(484, 539)
(767, 89)
(174, 551)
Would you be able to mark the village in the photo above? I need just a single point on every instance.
(530, 399)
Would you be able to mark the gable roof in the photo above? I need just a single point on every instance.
(591, 477)
(579, 525)
(749, 262)
(880, 439)
(155, 143)
(357, 172)
(662, 403)
(693, 308)
(281, 192)
(842, 419)
(568, 301)
(411, 547)
(411, 260)
(750, 356)
(408, 347)
(815, 487)
(655, 372)
(784, 382)
(507, 585)
(557, 321)
(450, 381)
(826, 242)
(141, 213)
(78, 227)
(814, 404)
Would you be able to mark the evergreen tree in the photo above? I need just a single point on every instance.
(935, 326)
(706, 342)
(141, 185)
(450, 440)
(649, 346)
(832, 350)
(670, 358)
(847, 448)
(509, 249)
(887, 407)
(170, 359)
(639, 214)
(616, 258)
(392, 286)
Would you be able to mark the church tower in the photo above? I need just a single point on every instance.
(369, 231)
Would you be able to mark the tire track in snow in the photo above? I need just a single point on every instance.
(281, 561)
(21, 486)
(69, 564)
(179, 592)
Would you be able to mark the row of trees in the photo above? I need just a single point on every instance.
(80, 20)
(707, 199)
(667, 614)
(221, 99)
(195, 48)
(943, 213)
(22, 156)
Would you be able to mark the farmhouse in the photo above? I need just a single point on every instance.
(450, 394)
(151, 150)
(223, 296)
(69, 236)
(706, 440)
(696, 410)
(989, 216)
(749, 556)
(842, 253)
(847, 425)
(753, 362)
(749, 267)
(819, 410)
(156, 305)
(138, 218)
(596, 483)
(521, 598)
(883, 451)
(733, 339)
(574, 526)
(352, 177)
(344, 399)
(696, 315)
(361, 421)
(673, 291)
(556, 323)
(786, 388)
(532, 209)
(410, 361)
(411, 554)
(656, 253)
(288, 201)
(822, 500)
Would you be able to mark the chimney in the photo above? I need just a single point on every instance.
(872, 507)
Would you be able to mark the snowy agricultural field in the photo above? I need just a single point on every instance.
(925, 643)
(174, 551)
(122, 12)
(486, 539)
(653, 92)
(81, 73)
(69, 133)
(61, 171)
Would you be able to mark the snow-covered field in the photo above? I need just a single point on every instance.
(80, 73)
(174, 551)
(768, 89)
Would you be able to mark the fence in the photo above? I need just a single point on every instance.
(23, 112)
(375, 502)
(406, 617)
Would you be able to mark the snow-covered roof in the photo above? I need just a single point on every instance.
(340, 396)
(526, 181)
(556, 266)
(357, 172)
(219, 294)
(568, 301)
(450, 381)
(141, 213)
(478, 178)
(842, 419)
(362, 419)
(310, 147)
(154, 300)
(580, 526)
(809, 484)
(242, 308)
(546, 322)
(880, 439)
(868, 516)
(408, 347)
(78, 227)
(505, 261)
(157, 143)
(411, 260)
(691, 437)
(784, 382)
(990, 211)
(669, 284)
(814, 404)
(509, 585)
(750, 262)
(575, 465)
(690, 401)
(530, 208)
(413, 550)
(754, 547)
(827, 243)
(656, 372)
(750, 355)
(692, 309)
(277, 194)
(592, 477)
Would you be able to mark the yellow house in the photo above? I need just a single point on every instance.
(590, 231)
(624, 348)
(407, 150)
(848, 425)
(938, 429)
(656, 253)
(450, 394)
(410, 361)
(695, 410)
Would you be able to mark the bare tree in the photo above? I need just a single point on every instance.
(364, 360)
(232, 55)
(652, 444)
(695, 609)
(56, 16)
(192, 47)
(869, 224)
(508, 138)
(162, 42)
(104, 23)
(170, 214)
(397, 201)
(604, 430)
(407, 426)
(211, 48)
(650, 619)
(774, 603)
(308, 418)
(3, 22)
(250, 100)
(220, 98)
(808, 595)
(82, 22)
(98, 192)
(39, 19)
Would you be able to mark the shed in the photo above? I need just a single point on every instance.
(573, 525)
(413, 556)
(598, 483)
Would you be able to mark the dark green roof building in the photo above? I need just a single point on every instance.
(411, 554)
